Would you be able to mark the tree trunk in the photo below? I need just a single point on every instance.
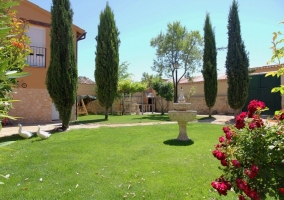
(123, 104)
(162, 105)
(106, 113)
(130, 103)
(210, 111)
(64, 127)
(236, 112)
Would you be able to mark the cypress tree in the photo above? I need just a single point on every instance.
(209, 70)
(107, 59)
(62, 74)
(237, 62)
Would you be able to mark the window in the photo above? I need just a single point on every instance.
(37, 57)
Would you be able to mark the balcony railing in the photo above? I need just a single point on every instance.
(37, 57)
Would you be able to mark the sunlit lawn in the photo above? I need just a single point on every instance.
(114, 119)
(144, 162)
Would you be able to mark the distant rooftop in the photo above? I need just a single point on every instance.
(223, 76)
(85, 80)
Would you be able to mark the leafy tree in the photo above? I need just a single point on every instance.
(123, 75)
(190, 92)
(164, 90)
(209, 70)
(107, 59)
(177, 46)
(129, 87)
(122, 71)
(237, 62)
(62, 74)
(149, 79)
(278, 54)
(13, 51)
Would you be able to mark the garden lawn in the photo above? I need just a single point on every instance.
(109, 163)
(114, 119)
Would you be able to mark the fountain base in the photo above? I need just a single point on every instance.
(182, 117)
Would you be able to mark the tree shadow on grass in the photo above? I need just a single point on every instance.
(206, 119)
(89, 121)
(175, 142)
(154, 117)
(14, 137)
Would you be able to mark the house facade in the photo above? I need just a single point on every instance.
(35, 104)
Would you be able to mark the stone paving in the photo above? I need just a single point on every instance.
(9, 130)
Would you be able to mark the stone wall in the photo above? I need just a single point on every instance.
(35, 105)
(198, 103)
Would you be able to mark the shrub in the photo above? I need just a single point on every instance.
(251, 153)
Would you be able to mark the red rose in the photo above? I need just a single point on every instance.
(220, 155)
(252, 126)
(242, 185)
(254, 168)
(228, 184)
(242, 115)
(240, 120)
(257, 121)
(250, 174)
(253, 106)
(224, 162)
(241, 197)
(253, 195)
(229, 135)
(281, 190)
(236, 163)
(222, 139)
(220, 187)
(226, 129)
(281, 116)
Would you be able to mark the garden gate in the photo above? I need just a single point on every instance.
(260, 89)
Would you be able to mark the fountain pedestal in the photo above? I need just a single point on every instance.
(182, 115)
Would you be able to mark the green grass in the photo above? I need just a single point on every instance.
(114, 119)
(114, 163)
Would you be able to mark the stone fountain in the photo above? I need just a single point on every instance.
(182, 115)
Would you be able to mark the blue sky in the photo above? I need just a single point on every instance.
(140, 20)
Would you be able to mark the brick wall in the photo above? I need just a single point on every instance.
(34, 105)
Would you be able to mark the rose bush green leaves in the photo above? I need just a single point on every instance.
(251, 153)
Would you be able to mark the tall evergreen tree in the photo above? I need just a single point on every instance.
(209, 70)
(237, 62)
(107, 59)
(62, 74)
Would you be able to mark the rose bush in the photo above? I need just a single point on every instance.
(251, 153)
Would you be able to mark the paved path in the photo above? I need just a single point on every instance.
(11, 130)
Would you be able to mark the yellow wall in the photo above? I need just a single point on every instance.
(30, 11)
(36, 104)
(86, 89)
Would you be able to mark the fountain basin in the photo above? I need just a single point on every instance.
(181, 106)
(184, 116)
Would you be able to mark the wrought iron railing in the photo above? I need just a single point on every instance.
(37, 57)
